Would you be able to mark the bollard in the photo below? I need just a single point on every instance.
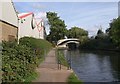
(69, 64)
(59, 64)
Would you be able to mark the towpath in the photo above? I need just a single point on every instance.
(48, 70)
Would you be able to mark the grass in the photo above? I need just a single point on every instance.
(60, 56)
(43, 45)
(0, 46)
(29, 79)
(72, 79)
(41, 60)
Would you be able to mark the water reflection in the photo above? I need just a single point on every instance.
(95, 66)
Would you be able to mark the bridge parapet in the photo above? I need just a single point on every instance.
(67, 40)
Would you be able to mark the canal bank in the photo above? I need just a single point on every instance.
(48, 70)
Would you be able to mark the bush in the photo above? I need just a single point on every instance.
(103, 44)
(17, 62)
(36, 44)
(20, 60)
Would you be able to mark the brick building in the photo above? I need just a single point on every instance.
(8, 21)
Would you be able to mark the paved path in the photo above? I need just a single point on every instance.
(48, 70)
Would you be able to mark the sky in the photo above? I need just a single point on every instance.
(90, 16)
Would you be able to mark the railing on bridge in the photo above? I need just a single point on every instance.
(66, 40)
(63, 43)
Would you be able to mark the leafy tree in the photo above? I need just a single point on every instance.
(114, 31)
(79, 33)
(101, 42)
(100, 34)
(76, 32)
(57, 27)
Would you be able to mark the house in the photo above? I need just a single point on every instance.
(8, 21)
(30, 26)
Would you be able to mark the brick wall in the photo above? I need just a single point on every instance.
(9, 32)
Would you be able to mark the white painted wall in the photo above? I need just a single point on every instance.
(8, 13)
(25, 28)
(40, 28)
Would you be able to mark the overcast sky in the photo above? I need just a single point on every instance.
(87, 15)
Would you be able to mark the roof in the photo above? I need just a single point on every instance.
(23, 15)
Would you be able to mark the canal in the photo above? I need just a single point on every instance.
(95, 66)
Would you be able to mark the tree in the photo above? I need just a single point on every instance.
(100, 34)
(79, 33)
(76, 32)
(57, 27)
(114, 31)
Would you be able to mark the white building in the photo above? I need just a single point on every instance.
(30, 26)
(8, 21)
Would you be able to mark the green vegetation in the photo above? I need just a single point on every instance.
(58, 30)
(31, 77)
(72, 79)
(61, 58)
(114, 31)
(0, 46)
(76, 32)
(110, 40)
(105, 41)
(20, 60)
(100, 43)
(79, 33)
(57, 27)
(38, 45)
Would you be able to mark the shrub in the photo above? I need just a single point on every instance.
(20, 60)
(17, 62)
(36, 44)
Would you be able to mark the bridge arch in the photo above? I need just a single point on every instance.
(67, 43)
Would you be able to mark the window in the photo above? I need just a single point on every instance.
(11, 38)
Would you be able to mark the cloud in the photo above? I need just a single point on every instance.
(87, 19)
(41, 15)
(92, 14)
(38, 6)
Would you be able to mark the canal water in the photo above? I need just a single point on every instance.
(95, 66)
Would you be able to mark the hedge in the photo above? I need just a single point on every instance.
(20, 60)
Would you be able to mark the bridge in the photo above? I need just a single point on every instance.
(68, 43)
